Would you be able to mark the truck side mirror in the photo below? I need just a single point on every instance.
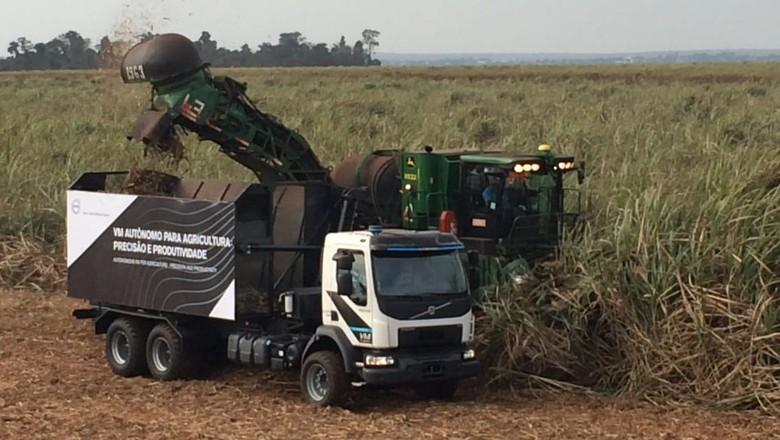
(344, 261)
(581, 173)
(344, 282)
(473, 267)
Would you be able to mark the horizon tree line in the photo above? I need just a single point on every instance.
(70, 50)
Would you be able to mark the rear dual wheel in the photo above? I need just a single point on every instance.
(133, 349)
(165, 355)
(125, 341)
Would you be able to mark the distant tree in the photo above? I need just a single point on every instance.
(56, 48)
(245, 55)
(41, 57)
(370, 40)
(359, 57)
(13, 49)
(70, 50)
(291, 39)
(206, 46)
(342, 44)
(320, 55)
(291, 50)
(342, 54)
(104, 45)
(106, 51)
(25, 45)
(75, 47)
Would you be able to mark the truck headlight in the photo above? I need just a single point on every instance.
(469, 355)
(379, 361)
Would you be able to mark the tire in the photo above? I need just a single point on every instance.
(125, 346)
(323, 379)
(438, 390)
(165, 355)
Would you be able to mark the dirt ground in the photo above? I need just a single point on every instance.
(54, 383)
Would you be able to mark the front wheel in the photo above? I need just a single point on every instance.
(440, 390)
(323, 379)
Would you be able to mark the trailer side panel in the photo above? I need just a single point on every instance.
(158, 253)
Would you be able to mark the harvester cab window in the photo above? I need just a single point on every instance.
(486, 189)
(359, 294)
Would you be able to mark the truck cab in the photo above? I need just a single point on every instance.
(396, 303)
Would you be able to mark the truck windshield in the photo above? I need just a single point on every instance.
(418, 273)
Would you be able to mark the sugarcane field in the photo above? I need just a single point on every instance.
(505, 232)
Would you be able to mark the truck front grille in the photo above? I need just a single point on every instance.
(445, 335)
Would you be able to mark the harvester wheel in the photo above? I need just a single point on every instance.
(439, 390)
(165, 355)
(125, 344)
(323, 379)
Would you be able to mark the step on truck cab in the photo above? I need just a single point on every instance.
(258, 274)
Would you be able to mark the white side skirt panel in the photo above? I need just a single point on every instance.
(226, 306)
(89, 215)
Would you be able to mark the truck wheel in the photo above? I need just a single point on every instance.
(323, 379)
(165, 355)
(439, 390)
(125, 341)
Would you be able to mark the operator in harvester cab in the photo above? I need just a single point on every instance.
(516, 193)
(491, 192)
(513, 196)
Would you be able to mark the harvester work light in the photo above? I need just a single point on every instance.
(527, 167)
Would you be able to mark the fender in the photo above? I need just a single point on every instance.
(327, 333)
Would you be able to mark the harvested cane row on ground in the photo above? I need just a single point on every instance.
(27, 264)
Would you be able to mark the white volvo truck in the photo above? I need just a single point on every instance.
(254, 273)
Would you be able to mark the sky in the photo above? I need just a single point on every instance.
(420, 26)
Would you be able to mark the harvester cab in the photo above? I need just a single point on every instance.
(521, 203)
(498, 203)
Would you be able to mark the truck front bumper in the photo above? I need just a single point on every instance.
(411, 368)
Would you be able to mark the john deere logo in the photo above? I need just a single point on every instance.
(75, 206)
(410, 162)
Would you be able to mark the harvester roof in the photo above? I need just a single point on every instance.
(499, 159)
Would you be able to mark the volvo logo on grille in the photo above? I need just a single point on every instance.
(431, 311)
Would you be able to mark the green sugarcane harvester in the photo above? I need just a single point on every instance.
(510, 208)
